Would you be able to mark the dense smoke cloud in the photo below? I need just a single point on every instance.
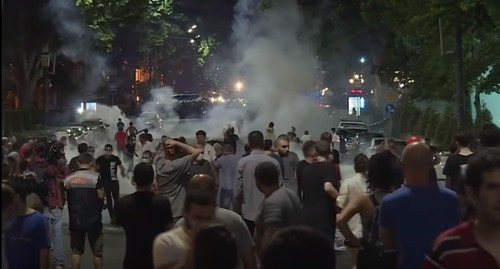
(77, 40)
(278, 64)
(274, 58)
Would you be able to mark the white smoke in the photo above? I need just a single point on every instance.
(279, 66)
(276, 60)
(77, 41)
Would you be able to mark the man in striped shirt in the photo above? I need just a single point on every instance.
(476, 243)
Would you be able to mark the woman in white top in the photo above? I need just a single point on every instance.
(349, 189)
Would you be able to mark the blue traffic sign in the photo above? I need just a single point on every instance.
(390, 108)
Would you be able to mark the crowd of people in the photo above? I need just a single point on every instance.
(205, 206)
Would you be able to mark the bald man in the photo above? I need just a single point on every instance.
(231, 220)
(415, 214)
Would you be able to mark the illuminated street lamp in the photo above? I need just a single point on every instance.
(192, 28)
(192, 41)
(239, 86)
(362, 60)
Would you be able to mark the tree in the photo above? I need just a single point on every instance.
(446, 128)
(25, 33)
(483, 116)
(431, 124)
(415, 25)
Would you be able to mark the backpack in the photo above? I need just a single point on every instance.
(373, 254)
(42, 178)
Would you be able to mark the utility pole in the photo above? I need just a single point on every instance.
(4, 113)
(45, 59)
(459, 72)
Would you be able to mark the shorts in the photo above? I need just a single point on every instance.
(94, 235)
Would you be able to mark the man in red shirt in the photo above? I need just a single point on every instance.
(25, 148)
(121, 141)
(475, 243)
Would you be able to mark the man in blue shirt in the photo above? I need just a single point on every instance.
(414, 215)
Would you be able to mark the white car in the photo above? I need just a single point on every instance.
(351, 123)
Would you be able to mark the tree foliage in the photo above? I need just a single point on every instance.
(415, 26)
(24, 34)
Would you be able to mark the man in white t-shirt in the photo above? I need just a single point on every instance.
(208, 150)
(171, 249)
(146, 145)
(305, 137)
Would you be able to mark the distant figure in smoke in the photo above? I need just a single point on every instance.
(128, 156)
(305, 137)
(270, 131)
(231, 138)
(121, 141)
(292, 135)
(120, 124)
(132, 132)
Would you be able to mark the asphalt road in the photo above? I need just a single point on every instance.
(114, 237)
(114, 251)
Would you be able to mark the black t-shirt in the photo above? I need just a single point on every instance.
(84, 204)
(73, 164)
(301, 166)
(120, 124)
(319, 207)
(231, 140)
(143, 215)
(108, 167)
(452, 168)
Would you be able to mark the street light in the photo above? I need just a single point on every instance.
(192, 28)
(239, 86)
(362, 60)
(192, 41)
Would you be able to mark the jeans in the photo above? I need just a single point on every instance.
(112, 190)
(226, 198)
(55, 219)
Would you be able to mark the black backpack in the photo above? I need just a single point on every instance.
(42, 178)
(373, 254)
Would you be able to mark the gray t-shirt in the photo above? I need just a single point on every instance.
(228, 167)
(252, 197)
(169, 175)
(290, 165)
(235, 224)
(282, 207)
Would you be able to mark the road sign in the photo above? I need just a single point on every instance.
(390, 96)
(390, 108)
(112, 88)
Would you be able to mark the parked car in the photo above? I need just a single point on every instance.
(344, 123)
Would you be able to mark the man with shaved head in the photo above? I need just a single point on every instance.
(233, 222)
(319, 190)
(415, 214)
(290, 160)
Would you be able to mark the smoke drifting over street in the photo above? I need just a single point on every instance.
(278, 65)
(274, 59)
(77, 41)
